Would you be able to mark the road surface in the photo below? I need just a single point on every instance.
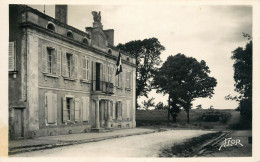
(146, 145)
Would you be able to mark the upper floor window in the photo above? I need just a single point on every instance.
(109, 51)
(85, 40)
(69, 34)
(51, 60)
(51, 26)
(11, 56)
(69, 63)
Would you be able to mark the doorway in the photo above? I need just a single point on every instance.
(98, 76)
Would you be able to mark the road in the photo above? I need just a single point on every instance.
(146, 145)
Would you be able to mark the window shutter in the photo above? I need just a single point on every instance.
(44, 59)
(58, 63)
(130, 80)
(76, 66)
(64, 65)
(77, 118)
(128, 108)
(84, 64)
(74, 69)
(114, 111)
(54, 96)
(89, 69)
(65, 112)
(54, 61)
(121, 109)
(94, 75)
(85, 108)
(11, 54)
(50, 108)
(72, 110)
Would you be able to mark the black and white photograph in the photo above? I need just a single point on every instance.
(161, 80)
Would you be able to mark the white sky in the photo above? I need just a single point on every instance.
(207, 33)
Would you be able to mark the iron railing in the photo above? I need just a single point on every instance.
(103, 86)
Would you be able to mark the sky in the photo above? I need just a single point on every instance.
(205, 32)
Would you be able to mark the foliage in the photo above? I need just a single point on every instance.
(161, 106)
(148, 103)
(199, 106)
(147, 53)
(184, 79)
(211, 107)
(243, 80)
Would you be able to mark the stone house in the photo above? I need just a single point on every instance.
(62, 80)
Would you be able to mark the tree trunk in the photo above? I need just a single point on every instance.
(188, 115)
(174, 117)
(169, 108)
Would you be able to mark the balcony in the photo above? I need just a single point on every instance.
(103, 87)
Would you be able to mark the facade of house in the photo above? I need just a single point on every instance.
(62, 80)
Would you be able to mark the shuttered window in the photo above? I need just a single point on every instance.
(11, 55)
(128, 76)
(51, 108)
(51, 60)
(85, 108)
(69, 65)
(67, 109)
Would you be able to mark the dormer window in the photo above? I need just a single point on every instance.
(50, 26)
(69, 34)
(109, 51)
(128, 59)
(85, 40)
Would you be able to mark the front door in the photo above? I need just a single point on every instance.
(18, 123)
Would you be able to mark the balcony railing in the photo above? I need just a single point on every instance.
(105, 87)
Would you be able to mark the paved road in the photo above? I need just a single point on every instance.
(146, 145)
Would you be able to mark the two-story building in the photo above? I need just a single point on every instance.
(62, 80)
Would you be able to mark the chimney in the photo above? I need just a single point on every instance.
(110, 36)
(61, 13)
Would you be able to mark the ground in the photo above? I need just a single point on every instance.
(145, 145)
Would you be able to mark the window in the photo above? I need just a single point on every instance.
(51, 60)
(71, 108)
(69, 34)
(51, 26)
(69, 66)
(85, 40)
(11, 53)
(69, 63)
(127, 59)
(68, 108)
(85, 69)
(109, 51)
(51, 108)
(50, 53)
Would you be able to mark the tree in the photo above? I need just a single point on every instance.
(243, 80)
(148, 103)
(184, 79)
(199, 106)
(147, 53)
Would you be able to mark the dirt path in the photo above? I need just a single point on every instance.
(147, 145)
